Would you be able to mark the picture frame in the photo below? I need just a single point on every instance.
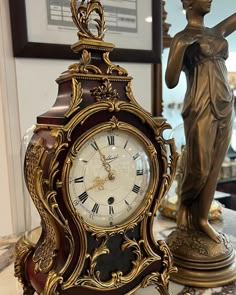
(24, 47)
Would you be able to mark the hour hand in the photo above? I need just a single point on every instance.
(98, 183)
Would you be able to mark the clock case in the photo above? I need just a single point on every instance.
(71, 257)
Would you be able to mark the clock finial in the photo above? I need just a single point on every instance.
(88, 17)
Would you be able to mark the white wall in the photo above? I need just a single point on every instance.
(11, 201)
(5, 208)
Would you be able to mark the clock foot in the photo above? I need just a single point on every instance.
(23, 249)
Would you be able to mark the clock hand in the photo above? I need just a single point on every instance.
(98, 183)
(110, 159)
(106, 165)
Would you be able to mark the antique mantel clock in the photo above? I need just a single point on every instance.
(97, 168)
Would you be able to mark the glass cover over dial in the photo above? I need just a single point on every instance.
(110, 177)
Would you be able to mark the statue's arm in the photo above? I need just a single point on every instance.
(227, 26)
(175, 63)
(176, 55)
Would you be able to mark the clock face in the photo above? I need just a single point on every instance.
(109, 177)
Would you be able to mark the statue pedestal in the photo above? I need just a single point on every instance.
(201, 262)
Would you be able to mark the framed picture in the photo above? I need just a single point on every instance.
(44, 29)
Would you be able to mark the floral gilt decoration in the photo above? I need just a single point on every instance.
(105, 92)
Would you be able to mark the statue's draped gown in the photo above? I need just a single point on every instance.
(207, 113)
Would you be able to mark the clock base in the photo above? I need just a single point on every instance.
(201, 262)
(157, 274)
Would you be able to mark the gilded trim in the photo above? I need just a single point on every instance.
(59, 146)
(45, 253)
(118, 279)
(76, 100)
(113, 106)
(91, 77)
(168, 265)
(161, 280)
(22, 251)
(142, 212)
(84, 66)
(129, 93)
(45, 202)
(112, 67)
(52, 283)
(92, 44)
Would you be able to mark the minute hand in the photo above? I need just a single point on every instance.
(106, 165)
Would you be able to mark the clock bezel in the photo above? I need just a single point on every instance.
(143, 209)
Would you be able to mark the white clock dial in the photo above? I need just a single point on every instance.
(109, 177)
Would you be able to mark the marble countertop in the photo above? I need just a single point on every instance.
(10, 286)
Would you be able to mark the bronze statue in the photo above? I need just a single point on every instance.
(201, 52)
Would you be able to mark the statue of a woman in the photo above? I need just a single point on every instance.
(207, 113)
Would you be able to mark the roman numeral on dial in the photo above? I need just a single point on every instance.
(128, 206)
(76, 202)
(95, 208)
(79, 179)
(111, 210)
(111, 139)
(83, 197)
(94, 145)
(139, 172)
(136, 189)
(136, 156)
(126, 144)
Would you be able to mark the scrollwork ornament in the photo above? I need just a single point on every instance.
(82, 16)
(167, 263)
(117, 279)
(129, 93)
(101, 250)
(161, 280)
(155, 278)
(152, 278)
(84, 66)
(115, 123)
(52, 283)
(112, 67)
(76, 100)
(45, 201)
(44, 254)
